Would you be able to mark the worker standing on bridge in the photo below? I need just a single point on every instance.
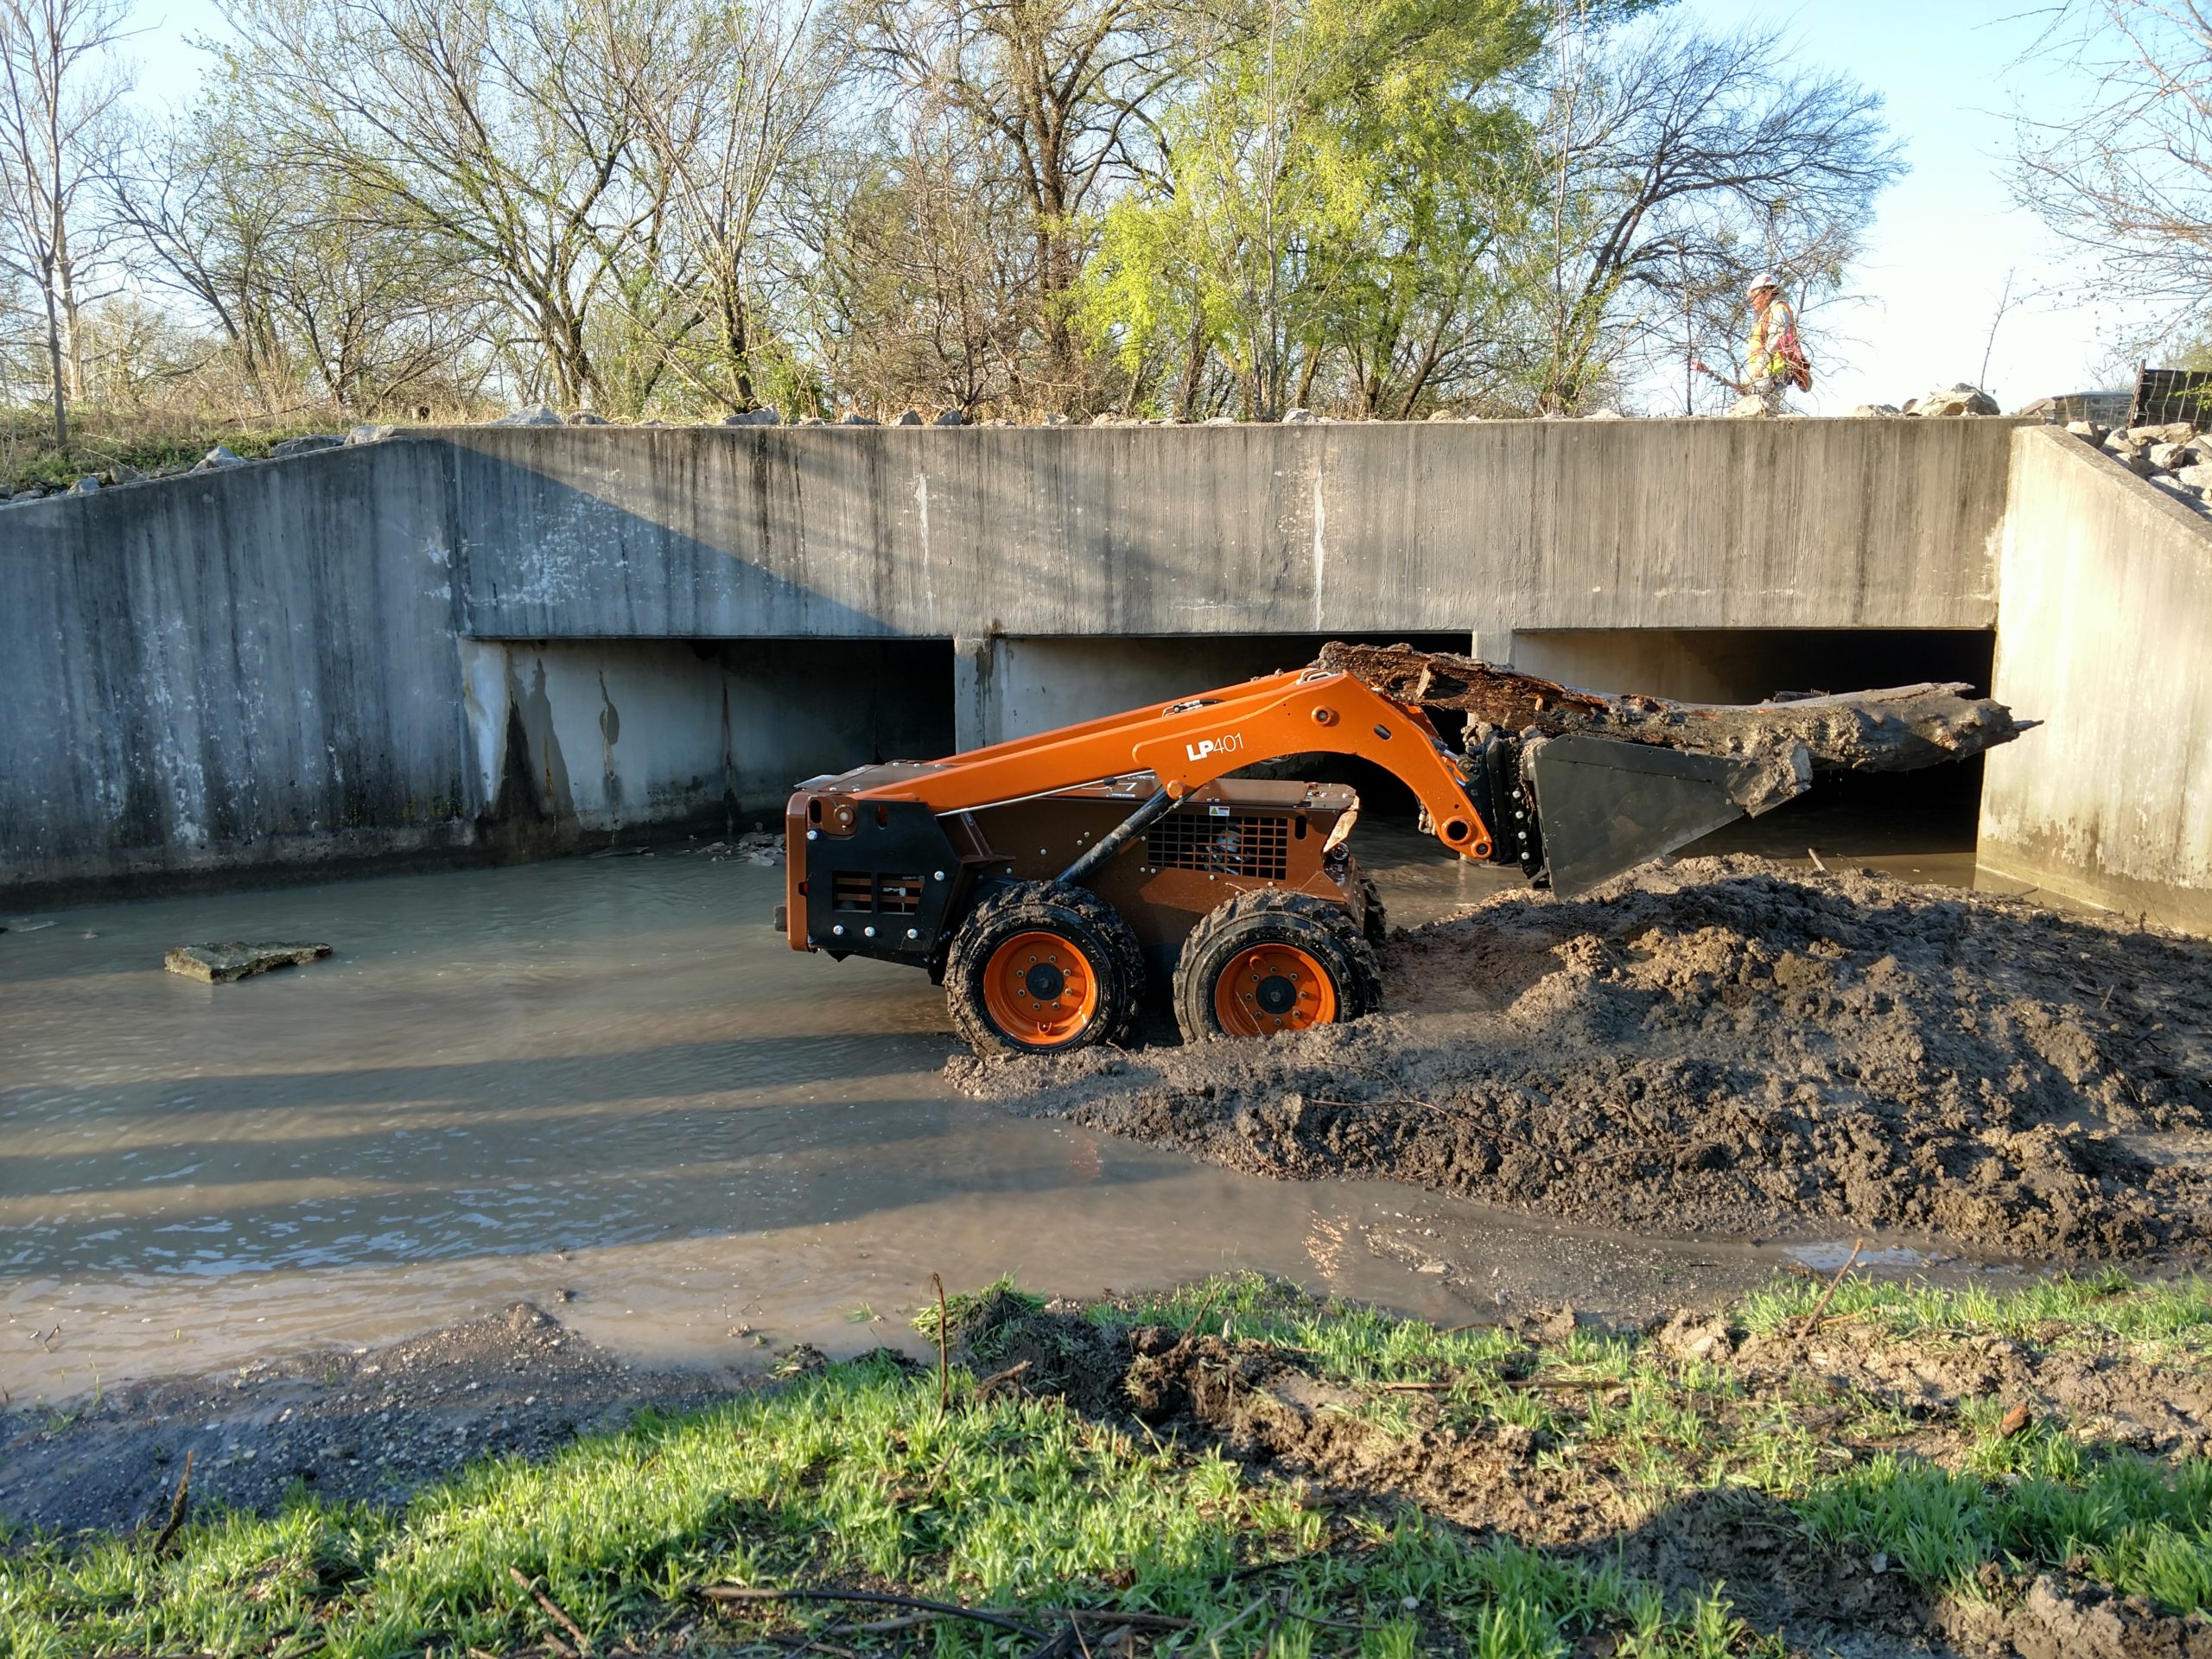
(1775, 361)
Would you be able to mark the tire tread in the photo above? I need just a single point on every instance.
(1042, 905)
(1293, 917)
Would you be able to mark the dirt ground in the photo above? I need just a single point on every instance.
(1724, 1047)
(1642, 1448)
(1556, 1487)
(373, 1423)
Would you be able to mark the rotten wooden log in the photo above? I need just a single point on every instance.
(1899, 729)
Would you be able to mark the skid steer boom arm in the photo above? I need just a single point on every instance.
(1194, 741)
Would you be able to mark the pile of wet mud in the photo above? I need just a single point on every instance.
(1724, 1046)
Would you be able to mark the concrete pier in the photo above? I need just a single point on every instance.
(492, 639)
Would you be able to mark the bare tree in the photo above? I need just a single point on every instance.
(1679, 162)
(2128, 175)
(59, 89)
(1063, 87)
(496, 125)
(722, 120)
(913, 281)
(211, 223)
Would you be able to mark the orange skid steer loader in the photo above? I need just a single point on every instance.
(1050, 883)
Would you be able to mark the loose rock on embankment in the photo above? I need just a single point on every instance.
(1727, 1047)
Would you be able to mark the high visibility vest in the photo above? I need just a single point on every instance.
(1768, 333)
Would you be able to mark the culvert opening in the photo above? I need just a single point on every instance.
(613, 735)
(1042, 682)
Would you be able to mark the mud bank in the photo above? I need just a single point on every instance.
(1722, 1046)
(1853, 1468)
(1539, 1443)
(372, 1424)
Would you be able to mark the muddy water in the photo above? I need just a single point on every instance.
(603, 1085)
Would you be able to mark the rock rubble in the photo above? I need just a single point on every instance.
(2174, 457)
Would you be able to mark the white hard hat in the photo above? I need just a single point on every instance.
(1764, 279)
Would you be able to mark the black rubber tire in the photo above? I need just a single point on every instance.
(1325, 932)
(1080, 916)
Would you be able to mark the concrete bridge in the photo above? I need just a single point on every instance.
(487, 638)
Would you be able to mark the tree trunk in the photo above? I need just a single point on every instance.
(736, 342)
(72, 338)
(53, 362)
(1901, 728)
(1194, 360)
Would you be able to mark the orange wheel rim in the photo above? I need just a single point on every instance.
(1039, 990)
(1271, 987)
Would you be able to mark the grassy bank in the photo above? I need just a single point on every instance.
(149, 441)
(1236, 1469)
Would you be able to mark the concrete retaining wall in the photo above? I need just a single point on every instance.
(2107, 637)
(950, 533)
(246, 667)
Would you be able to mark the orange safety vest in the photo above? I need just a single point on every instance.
(1774, 349)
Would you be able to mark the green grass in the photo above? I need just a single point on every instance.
(851, 1476)
(962, 1305)
(2105, 1307)
(100, 438)
(2121, 1520)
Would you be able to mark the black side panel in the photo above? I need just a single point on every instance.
(886, 889)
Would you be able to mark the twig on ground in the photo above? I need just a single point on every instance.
(1812, 1322)
(553, 1611)
(1392, 1100)
(1220, 1630)
(811, 1644)
(1332, 1623)
(944, 1372)
(888, 1626)
(1144, 1621)
(1812, 853)
(1213, 1291)
(838, 1626)
(984, 1388)
(739, 1592)
(177, 1506)
(1419, 1388)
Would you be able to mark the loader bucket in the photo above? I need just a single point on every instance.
(1603, 806)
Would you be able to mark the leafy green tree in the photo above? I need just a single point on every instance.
(1331, 187)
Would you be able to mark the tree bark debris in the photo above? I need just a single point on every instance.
(1899, 729)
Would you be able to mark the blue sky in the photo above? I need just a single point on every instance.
(1944, 239)
(1945, 236)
